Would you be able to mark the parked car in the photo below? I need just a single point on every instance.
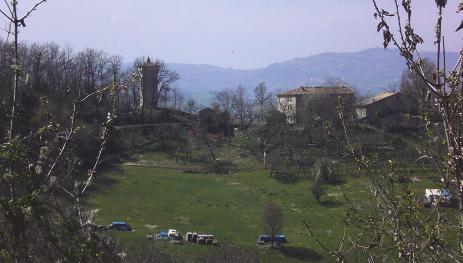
(191, 237)
(205, 239)
(120, 226)
(163, 234)
(171, 233)
(267, 239)
(158, 236)
(178, 239)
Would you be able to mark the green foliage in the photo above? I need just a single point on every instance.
(11, 153)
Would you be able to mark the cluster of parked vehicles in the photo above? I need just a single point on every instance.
(202, 239)
(176, 237)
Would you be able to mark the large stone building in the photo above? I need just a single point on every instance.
(148, 94)
(382, 105)
(295, 103)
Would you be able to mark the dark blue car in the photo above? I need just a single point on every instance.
(265, 239)
(120, 226)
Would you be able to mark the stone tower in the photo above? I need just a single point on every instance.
(149, 86)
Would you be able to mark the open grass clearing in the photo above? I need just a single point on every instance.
(228, 206)
(151, 192)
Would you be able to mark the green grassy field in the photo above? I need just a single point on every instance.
(228, 206)
(151, 193)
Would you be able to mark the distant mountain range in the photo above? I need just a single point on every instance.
(371, 70)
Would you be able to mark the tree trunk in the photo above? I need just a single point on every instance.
(16, 69)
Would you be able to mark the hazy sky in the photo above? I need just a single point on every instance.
(231, 33)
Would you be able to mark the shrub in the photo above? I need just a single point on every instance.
(223, 167)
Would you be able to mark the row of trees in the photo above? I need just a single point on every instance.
(57, 110)
(238, 104)
(47, 99)
(61, 74)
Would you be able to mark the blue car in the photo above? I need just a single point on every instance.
(163, 234)
(120, 226)
(265, 239)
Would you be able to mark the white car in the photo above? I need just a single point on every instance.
(172, 232)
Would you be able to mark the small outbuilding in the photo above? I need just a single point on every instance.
(382, 105)
(295, 103)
